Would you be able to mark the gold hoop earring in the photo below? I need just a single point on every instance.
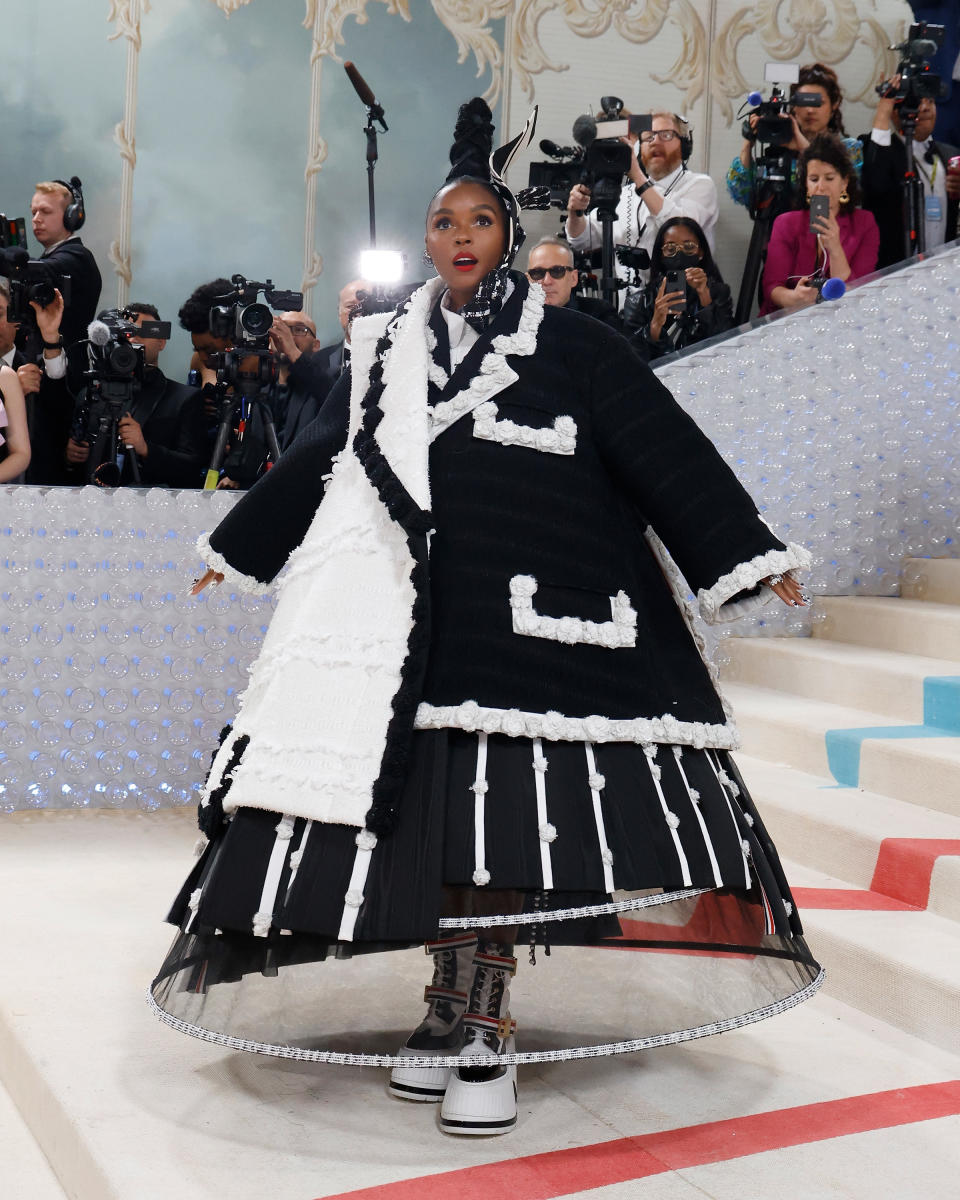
(844, 197)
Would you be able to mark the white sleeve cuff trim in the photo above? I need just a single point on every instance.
(715, 602)
(236, 579)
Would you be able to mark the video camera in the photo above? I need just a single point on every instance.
(115, 376)
(245, 321)
(30, 280)
(917, 81)
(774, 127)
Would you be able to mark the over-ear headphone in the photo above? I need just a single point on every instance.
(74, 215)
(686, 136)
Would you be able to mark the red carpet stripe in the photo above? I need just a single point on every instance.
(905, 865)
(563, 1172)
(848, 898)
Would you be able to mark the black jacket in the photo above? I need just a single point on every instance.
(74, 259)
(298, 402)
(506, 508)
(171, 417)
(695, 325)
(883, 168)
(600, 310)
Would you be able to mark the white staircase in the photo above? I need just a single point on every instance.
(876, 857)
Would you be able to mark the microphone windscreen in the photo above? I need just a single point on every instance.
(584, 130)
(98, 333)
(833, 289)
(754, 98)
(15, 257)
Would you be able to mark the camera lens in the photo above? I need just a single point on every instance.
(256, 319)
(122, 359)
(42, 293)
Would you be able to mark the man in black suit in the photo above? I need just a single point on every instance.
(67, 255)
(335, 358)
(884, 163)
(551, 265)
(305, 375)
(164, 428)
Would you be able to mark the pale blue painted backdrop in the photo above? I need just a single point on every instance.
(222, 120)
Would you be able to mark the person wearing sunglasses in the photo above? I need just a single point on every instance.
(658, 187)
(551, 265)
(304, 381)
(659, 319)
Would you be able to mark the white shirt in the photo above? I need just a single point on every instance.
(933, 176)
(7, 359)
(686, 194)
(461, 333)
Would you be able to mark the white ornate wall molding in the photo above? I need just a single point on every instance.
(126, 15)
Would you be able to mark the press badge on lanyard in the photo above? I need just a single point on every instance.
(934, 209)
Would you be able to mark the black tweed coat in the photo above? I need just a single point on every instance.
(559, 468)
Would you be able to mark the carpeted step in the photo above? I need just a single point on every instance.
(891, 623)
(902, 851)
(932, 579)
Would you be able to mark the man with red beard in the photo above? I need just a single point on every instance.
(659, 186)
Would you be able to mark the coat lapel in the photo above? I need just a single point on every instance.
(485, 371)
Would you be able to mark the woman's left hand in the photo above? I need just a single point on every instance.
(697, 278)
(787, 588)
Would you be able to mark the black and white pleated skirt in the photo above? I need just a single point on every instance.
(657, 850)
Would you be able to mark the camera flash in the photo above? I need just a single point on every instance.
(381, 266)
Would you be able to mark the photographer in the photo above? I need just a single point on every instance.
(54, 227)
(659, 321)
(806, 122)
(163, 426)
(803, 252)
(884, 164)
(658, 187)
(551, 265)
(42, 383)
(304, 379)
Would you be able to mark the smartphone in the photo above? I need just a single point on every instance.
(676, 281)
(819, 209)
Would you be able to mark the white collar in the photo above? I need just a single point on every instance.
(8, 357)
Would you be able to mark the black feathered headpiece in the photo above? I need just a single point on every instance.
(472, 155)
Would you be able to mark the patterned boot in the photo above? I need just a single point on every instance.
(441, 1031)
(483, 1099)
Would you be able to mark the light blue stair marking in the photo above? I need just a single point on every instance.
(941, 718)
(941, 702)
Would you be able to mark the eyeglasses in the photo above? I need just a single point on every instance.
(669, 249)
(665, 135)
(300, 330)
(537, 273)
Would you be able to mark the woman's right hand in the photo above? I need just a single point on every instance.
(209, 576)
(662, 308)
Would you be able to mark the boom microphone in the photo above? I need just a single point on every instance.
(584, 130)
(365, 92)
(556, 151)
(833, 289)
(98, 333)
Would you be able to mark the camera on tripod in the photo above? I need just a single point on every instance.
(774, 127)
(917, 81)
(243, 319)
(114, 378)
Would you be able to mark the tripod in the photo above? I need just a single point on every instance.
(911, 191)
(237, 407)
(771, 198)
(606, 194)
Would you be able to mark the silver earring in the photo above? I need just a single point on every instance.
(427, 260)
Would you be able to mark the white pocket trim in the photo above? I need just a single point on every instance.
(618, 633)
(560, 438)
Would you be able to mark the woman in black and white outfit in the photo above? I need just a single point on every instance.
(481, 716)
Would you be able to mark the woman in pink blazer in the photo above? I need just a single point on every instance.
(845, 244)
